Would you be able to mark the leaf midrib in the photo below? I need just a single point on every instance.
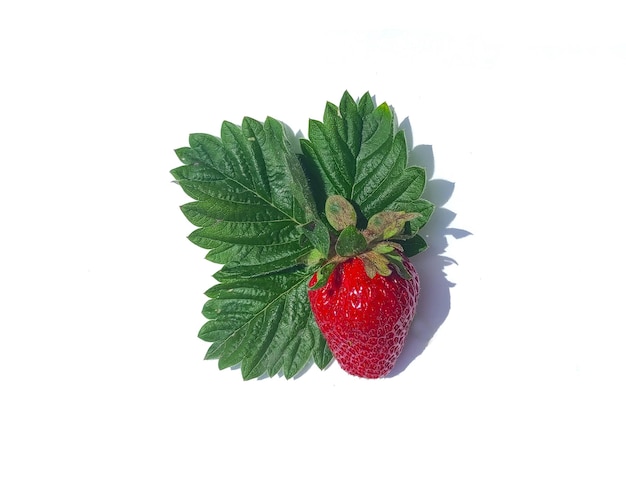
(268, 305)
(268, 202)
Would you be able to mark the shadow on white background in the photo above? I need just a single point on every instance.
(434, 302)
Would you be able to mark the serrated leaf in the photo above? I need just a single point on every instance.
(388, 224)
(317, 234)
(247, 224)
(238, 256)
(357, 153)
(256, 215)
(365, 105)
(263, 323)
(250, 192)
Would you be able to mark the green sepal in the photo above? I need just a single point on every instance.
(312, 258)
(387, 224)
(350, 242)
(323, 274)
(339, 212)
(414, 246)
(398, 263)
(375, 264)
(387, 247)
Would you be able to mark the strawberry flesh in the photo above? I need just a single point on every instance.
(365, 320)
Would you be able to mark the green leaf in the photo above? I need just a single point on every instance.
(247, 224)
(251, 260)
(423, 210)
(265, 324)
(317, 234)
(256, 215)
(357, 153)
(251, 193)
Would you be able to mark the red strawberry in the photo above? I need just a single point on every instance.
(365, 320)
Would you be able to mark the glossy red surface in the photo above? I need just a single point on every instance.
(365, 320)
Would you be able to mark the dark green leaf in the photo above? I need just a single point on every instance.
(250, 192)
(317, 234)
(252, 208)
(263, 323)
(357, 153)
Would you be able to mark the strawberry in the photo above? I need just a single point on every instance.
(364, 297)
(365, 320)
(313, 240)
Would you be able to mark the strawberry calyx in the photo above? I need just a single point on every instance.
(375, 245)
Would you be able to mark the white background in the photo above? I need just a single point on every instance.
(519, 393)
